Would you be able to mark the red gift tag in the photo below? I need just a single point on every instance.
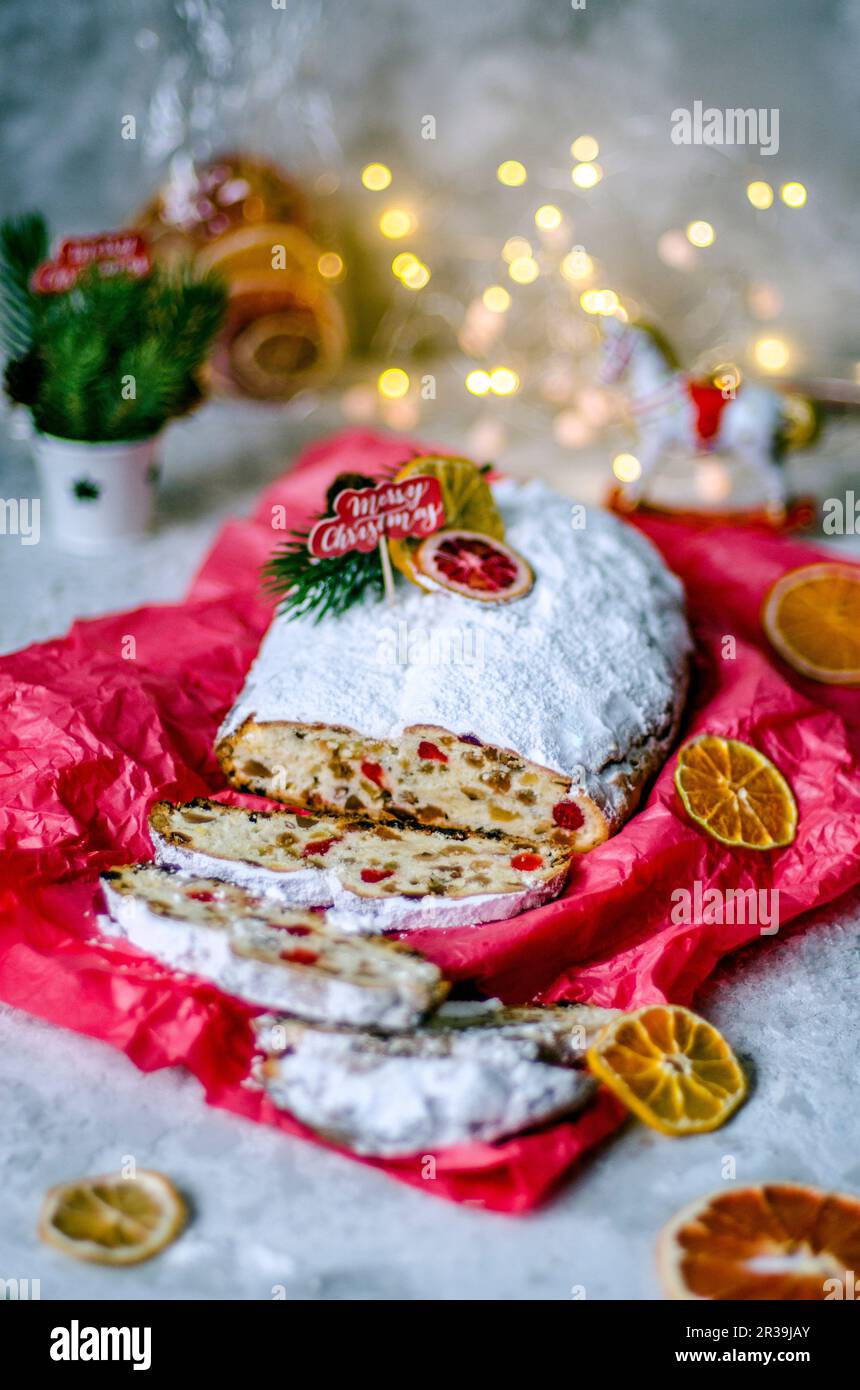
(390, 510)
(114, 252)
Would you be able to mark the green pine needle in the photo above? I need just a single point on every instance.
(23, 246)
(323, 587)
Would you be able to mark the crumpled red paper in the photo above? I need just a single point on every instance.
(125, 709)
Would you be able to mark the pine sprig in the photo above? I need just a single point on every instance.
(115, 357)
(23, 246)
(324, 587)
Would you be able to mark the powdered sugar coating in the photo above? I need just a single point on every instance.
(586, 675)
(427, 1093)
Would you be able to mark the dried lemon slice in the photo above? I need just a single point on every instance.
(670, 1067)
(113, 1220)
(735, 793)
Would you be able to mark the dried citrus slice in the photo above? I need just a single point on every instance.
(468, 499)
(777, 1241)
(113, 1220)
(735, 793)
(812, 617)
(472, 565)
(670, 1067)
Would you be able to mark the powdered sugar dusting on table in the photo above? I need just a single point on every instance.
(583, 675)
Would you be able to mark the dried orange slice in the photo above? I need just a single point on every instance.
(113, 1220)
(812, 617)
(670, 1067)
(735, 793)
(777, 1241)
(468, 500)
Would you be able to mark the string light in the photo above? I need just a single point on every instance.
(478, 383)
(402, 262)
(503, 381)
(577, 265)
(516, 247)
(599, 301)
(793, 195)
(396, 222)
(548, 217)
(496, 298)
(700, 234)
(415, 276)
(524, 270)
(626, 468)
(330, 265)
(585, 148)
(771, 354)
(511, 173)
(760, 194)
(586, 175)
(376, 177)
(393, 383)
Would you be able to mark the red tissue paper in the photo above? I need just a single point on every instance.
(125, 709)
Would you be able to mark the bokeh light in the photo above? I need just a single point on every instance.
(511, 173)
(700, 234)
(626, 468)
(793, 195)
(330, 265)
(396, 222)
(585, 148)
(548, 217)
(586, 175)
(760, 194)
(771, 354)
(524, 270)
(393, 383)
(376, 177)
(496, 298)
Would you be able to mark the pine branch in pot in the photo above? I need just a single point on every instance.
(104, 351)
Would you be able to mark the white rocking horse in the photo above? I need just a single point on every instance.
(671, 409)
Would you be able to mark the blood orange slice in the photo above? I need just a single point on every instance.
(777, 1241)
(472, 565)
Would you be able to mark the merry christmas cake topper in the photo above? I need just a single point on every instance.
(435, 521)
(112, 252)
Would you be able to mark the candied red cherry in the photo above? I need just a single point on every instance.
(527, 862)
(374, 772)
(300, 956)
(202, 895)
(568, 815)
(375, 875)
(318, 847)
(299, 931)
(430, 753)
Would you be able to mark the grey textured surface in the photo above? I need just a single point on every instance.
(271, 1211)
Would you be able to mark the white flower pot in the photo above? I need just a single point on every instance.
(99, 496)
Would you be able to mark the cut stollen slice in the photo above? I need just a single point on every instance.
(372, 877)
(458, 1080)
(268, 954)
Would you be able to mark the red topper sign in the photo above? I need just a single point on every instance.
(365, 516)
(111, 251)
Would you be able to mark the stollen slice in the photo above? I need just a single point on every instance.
(454, 1081)
(269, 954)
(373, 877)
